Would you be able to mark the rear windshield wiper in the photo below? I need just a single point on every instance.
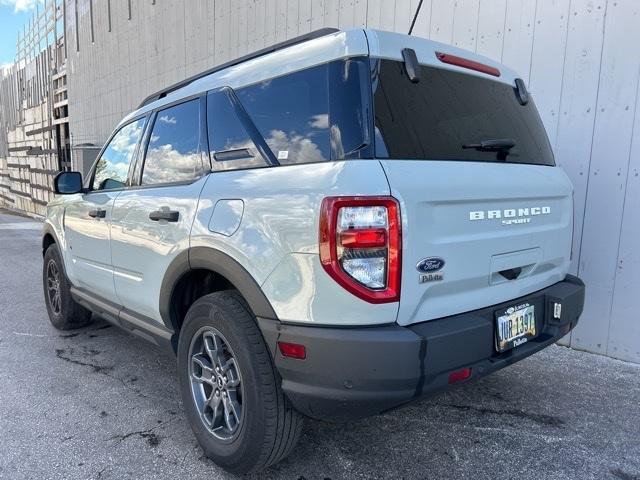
(500, 145)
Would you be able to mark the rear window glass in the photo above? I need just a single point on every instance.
(230, 144)
(292, 114)
(313, 115)
(453, 116)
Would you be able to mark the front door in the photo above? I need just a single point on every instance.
(151, 223)
(87, 221)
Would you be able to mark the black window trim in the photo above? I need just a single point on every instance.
(203, 145)
(250, 128)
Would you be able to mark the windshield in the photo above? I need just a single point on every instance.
(450, 115)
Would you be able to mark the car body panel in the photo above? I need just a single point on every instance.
(280, 218)
(143, 249)
(436, 200)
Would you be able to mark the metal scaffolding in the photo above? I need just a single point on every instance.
(34, 131)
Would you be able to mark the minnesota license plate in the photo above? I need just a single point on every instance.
(515, 326)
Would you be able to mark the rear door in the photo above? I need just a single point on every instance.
(152, 221)
(487, 217)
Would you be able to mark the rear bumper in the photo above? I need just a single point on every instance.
(352, 373)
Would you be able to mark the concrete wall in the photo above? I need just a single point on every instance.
(579, 57)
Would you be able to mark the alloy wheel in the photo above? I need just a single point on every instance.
(53, 287)
(216, 384)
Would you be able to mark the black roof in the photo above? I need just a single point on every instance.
(278, 46)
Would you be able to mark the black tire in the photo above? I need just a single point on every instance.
(64, 312)
(268, 427)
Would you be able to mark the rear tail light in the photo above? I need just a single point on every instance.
(360, 245)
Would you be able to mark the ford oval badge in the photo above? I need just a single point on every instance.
(430, 265)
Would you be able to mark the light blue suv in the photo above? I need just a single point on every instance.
(331, 227)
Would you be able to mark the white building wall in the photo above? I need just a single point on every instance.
(580, 59)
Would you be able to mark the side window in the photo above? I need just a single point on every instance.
(231, 146)
(113, 166)
(173, 153)
(292, 114)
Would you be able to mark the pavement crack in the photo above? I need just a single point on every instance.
(99, 475)
(539, 418)
(622, 475)
(60, 353)
(102, 369)
(69, 335)
(149, 435)
(102, 327)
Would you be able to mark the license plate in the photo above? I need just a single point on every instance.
(515, 326)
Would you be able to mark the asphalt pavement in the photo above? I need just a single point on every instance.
(100, 403)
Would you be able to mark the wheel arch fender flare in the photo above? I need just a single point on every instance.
(219, 262)
(48, 230)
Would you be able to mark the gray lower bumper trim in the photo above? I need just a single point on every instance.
(357, 372)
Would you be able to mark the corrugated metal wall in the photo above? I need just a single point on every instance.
(580, 58)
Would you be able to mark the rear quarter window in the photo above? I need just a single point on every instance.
(292, 114)
(319, 114)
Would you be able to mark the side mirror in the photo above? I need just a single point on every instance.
(67, 183)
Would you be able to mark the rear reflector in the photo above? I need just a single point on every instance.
(459, 375)
(292, 350)
(466, 63)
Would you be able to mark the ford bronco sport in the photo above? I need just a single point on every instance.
(331, 227)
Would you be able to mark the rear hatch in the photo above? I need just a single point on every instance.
(487, 217)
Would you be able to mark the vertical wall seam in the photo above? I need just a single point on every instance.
(91, 20)
(504, 30)
(475, 48)
(184, 35)
(624, 203)
(77, 26)
(564, 63)
(593, 130)
(366, 13)
(430, 17)
(286, 18)
(453, 23)
(533, 41)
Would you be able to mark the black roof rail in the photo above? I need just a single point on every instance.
(278, 46)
